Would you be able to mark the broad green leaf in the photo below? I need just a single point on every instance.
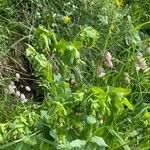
(77, 44)
(42, 60)
(127, 103)
(91, 120)
(30, 51)
(61, 46)
(120, 90)
(30, 141)
(99, 141)
(78, 143)
(60, 107)
(45, 41)
(97, 90)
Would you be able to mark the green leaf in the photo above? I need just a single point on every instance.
(127, 103)
(91, 120)
(30, 141)
(77, 44)
(30, 51)
(140, 26)
(45, 41)
(60, 107)
(97, 90)
(99, 141)
(78, 143)
(118, 137)
(120, 90)
(42, 60)
(1, 138)
(61, 45)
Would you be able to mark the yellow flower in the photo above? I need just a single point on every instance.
(112, 27)
(118, 2)
(66, 19)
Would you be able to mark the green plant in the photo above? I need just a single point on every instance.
(86, 104)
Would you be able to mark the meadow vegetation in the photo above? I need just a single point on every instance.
(74, 74)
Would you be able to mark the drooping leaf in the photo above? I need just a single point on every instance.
(127, 103)
(78, 143)
(30, 141)
(118, 137)
(99, 141)
(60, 107)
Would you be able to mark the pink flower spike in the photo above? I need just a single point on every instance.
(100, 72)
(109, 64)
(108, 56)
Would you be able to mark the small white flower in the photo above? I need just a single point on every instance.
(137, 67)
(28, 88)
(141, 63)
(17, 76)
(21, 86)
(23, 98)
(12, 83)
(54, 25)
(17, 93)
(101, 72)
(11, 89)
(127, 79)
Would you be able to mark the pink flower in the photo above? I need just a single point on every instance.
(108, 61)
(108, 55)
(100, 71)
(141, 63)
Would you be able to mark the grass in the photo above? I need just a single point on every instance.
(123, 31)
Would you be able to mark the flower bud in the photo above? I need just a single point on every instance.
(108, 56)
(17, 93)
(11, 89)
(28, 88)
(17, 77)
(108, 63)
(23, 98)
